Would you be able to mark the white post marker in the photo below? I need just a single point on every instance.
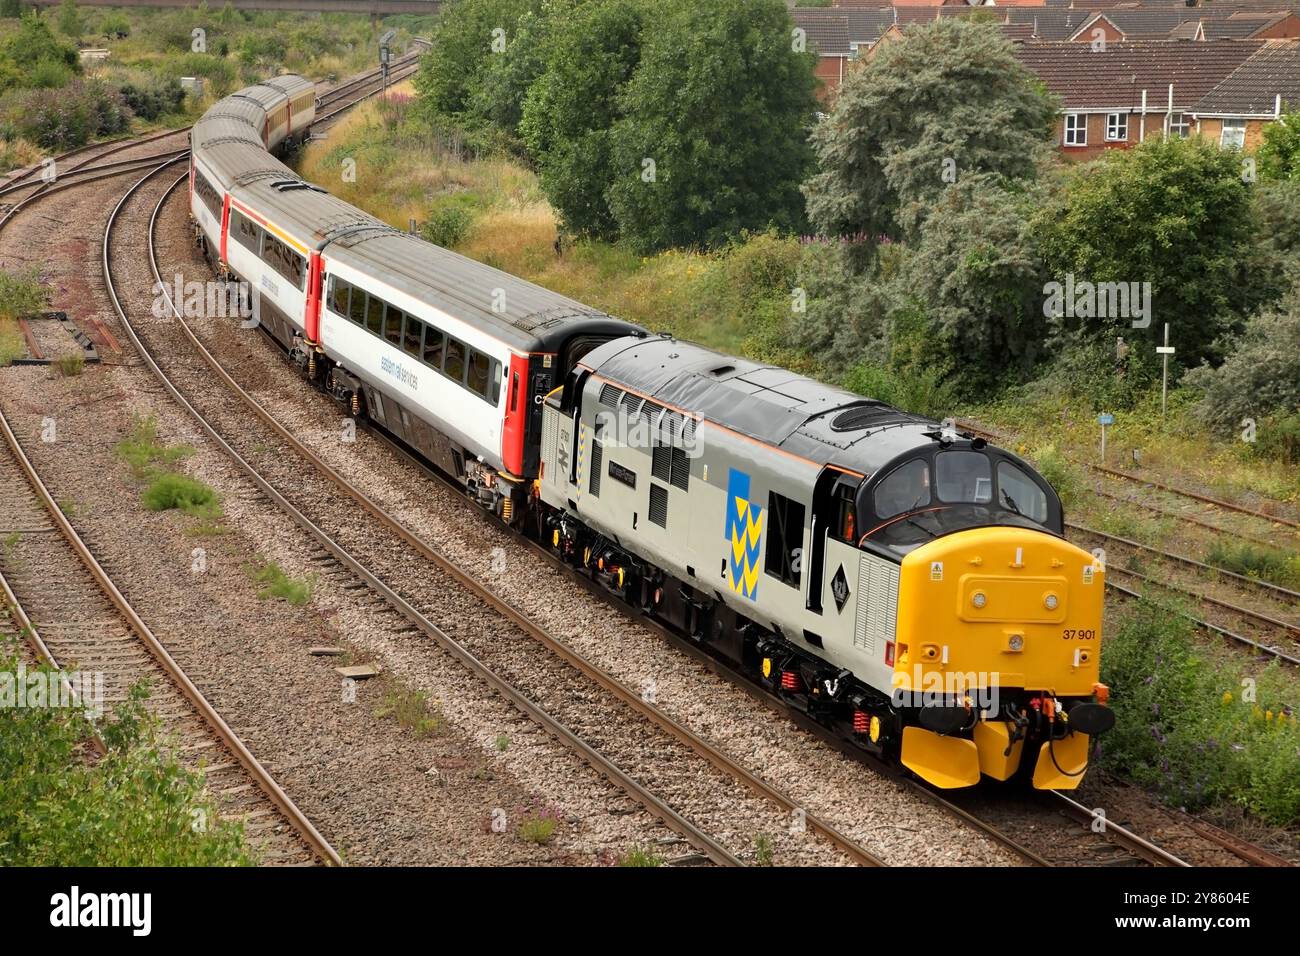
(1164, 351)
(1104, 419)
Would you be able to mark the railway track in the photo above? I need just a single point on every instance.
(358, 540)
(1068, 845)
(65, 604)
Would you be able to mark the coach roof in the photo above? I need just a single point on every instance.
(524, 315)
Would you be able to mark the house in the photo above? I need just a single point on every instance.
(1236, 111)
(1116, 97)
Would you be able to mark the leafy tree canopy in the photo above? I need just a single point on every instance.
(1175, 213)
(947, 101)
(713, 137)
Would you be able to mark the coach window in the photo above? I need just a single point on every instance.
(477, 377)
(280, 257)
(244, 232)
(357, 306)
(784, 538)
(393, 326)
(375, 315)
(410, 333)
(433, 339)
(905, 488)
(339, 295)
(454, 363)
(1019, 493)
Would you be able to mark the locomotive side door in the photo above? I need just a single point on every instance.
(832, 563)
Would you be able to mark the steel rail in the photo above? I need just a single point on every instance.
(157, 651)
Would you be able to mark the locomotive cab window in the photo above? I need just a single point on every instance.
(784, 538)
(905, 488)
(963, 476)
(1019, 493)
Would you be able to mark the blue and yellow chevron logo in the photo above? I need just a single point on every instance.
(744, 532)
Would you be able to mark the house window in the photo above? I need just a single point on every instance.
(1116, 127)
(1178, 125)
(1076, 129)
(1234, 133)
(784, 538)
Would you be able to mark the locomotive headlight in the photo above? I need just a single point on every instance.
(1016, 642)
(1051, 601)
(979, 599)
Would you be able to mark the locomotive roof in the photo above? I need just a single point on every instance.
(815, 421)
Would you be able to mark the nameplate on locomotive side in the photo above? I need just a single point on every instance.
(626, 475)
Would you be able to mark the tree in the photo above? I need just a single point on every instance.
(978, 277)
(466, 34)
(569, 112)
(1174, 213)
(497, 95)
(946, 102)
(713, 134)
(1279, 154)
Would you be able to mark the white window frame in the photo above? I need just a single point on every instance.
(1117, 127)
(1177, 124)
(1238, 128)
(1078, 135)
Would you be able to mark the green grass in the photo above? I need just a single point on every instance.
(1186, 726)
(640, 856)
(502, 743)
(412, 710)
(1256, 561)
(144, 453)
(538, 827)
(763, 849)
(275, 583)
(171, 491)
(71, 365)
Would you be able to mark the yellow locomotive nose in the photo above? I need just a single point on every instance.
(989, 616)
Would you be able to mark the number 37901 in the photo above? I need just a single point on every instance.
(1079, 634)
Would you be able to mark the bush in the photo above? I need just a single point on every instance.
(1254, 561)
(134, 806)
(21, 293)
(919, 391)
(448, 225)
(1182, 728)
(1061, 474)
(1261, 376)
(153, 98)
(61, 119)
